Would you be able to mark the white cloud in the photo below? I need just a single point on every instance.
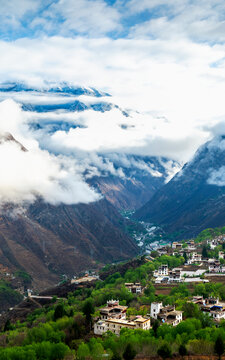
(13, 11)
(32, 174)
(217, 177)
(197, 20)
(83, 16)
(169, 74)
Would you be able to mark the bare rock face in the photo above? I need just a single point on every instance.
(195, 198)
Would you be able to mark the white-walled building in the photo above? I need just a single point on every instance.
(167, 314)
(216, 267)
(134, 288)
(155, 309)
(194, 257)
(113, 310)
(177, 245)
(115, 325)
(162, 271)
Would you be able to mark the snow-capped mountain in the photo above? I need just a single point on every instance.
(62, 235)
(195, 198)
(126, 180)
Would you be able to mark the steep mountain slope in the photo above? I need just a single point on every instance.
(47, 241)
(195, 198)
(140, 180)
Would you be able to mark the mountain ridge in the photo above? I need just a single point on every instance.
(189, 202)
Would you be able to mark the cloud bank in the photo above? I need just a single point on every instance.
(162, 62)
(29, 175)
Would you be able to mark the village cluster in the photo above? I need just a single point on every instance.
(113, 317)
(188, 273)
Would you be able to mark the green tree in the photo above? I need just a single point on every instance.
(204, 252)
(129, 353)
(219, 346)
(7, 326)
(59, 311)
(185, 256)
(164, 351)
(154, 253)
(83, 351)
(155, 326)
(182, 350)
(191, 310)
(88, 310)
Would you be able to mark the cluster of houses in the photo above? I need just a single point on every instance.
(212, 306)
(215, 266)
(113, 318)
(194, 257)
(166, 314)
(164, 275)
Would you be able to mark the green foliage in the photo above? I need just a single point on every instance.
(7, 326)
(209, 234)
(59, 311)
(219, 346)
(182, 350)
(129, 352)
(165, 351)
(42, 351)
(154, 254)
(8, 295)
(204, 252)
(83, 352)
(88, 310)
(50, 332)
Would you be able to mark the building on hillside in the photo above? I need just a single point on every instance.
(214, 308)
(162, 271)
(134, 288)
(176, 245)
(194, 257)
(167, 314)
(216, 267)
(163, 250)
(199, 300)
(213, 243)
(175, 275)
(115, 325)
(172, 276)
(221, 255)
(113, 310)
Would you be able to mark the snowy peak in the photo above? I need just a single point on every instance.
(61, 88)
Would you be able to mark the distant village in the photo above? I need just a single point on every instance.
(197, 268)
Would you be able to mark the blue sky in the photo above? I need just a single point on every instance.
(200, 20)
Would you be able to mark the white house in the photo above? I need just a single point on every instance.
(167, 314)
(115, 325)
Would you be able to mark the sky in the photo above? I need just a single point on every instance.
(161, 61)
